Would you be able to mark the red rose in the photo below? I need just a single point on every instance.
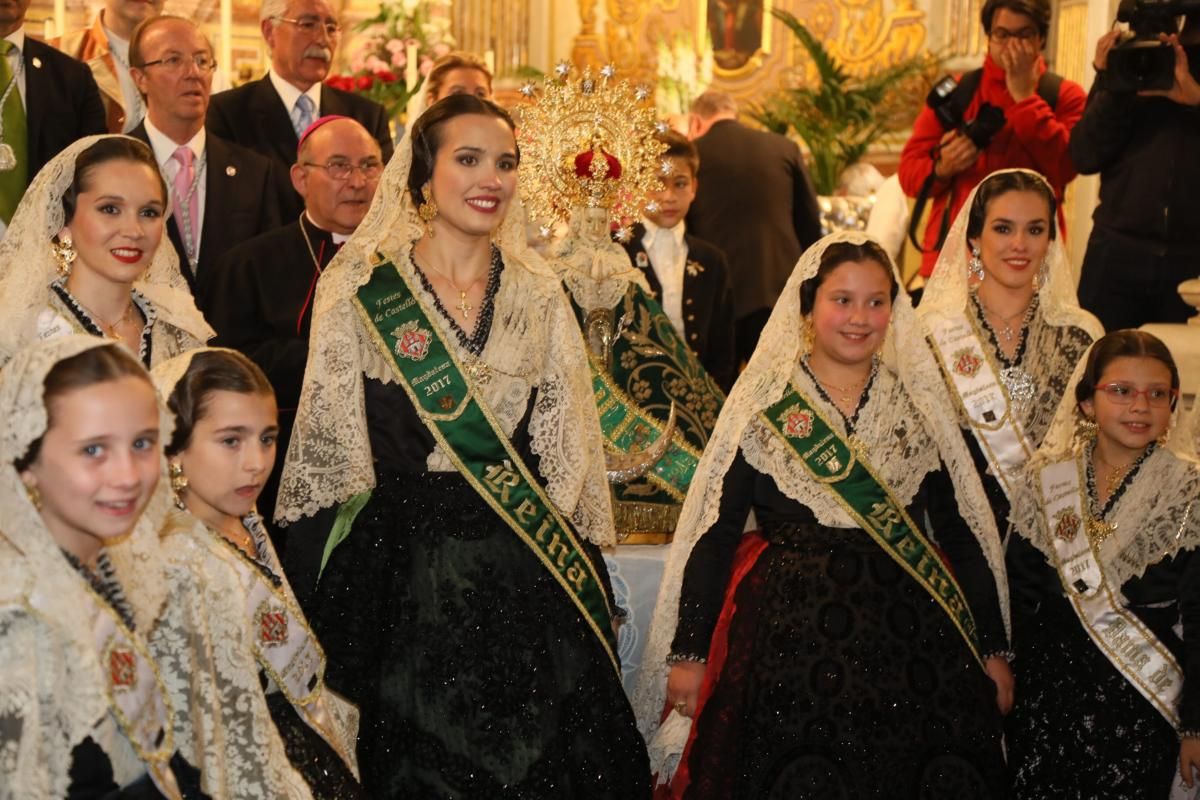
(364, 82)
(386, 76)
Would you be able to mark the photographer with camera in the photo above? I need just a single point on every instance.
(1144, 143)
(1010, 113)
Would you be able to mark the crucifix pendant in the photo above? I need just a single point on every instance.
(463, 305)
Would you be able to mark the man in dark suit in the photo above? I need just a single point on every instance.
(261, 297)
(756, 203)
(49, 101)
(269, 114)
(688, 276)
(221, 193)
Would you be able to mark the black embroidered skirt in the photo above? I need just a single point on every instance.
(1079, 730)
(844, 681)
(475, 674)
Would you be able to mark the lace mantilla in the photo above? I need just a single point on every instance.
(534, 342)
(202, 642)
(908, 424)
(28, 269)
(596, 273)
(1156, 512)
(53, 690)
(1048, 355)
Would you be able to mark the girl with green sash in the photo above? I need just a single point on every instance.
(1106, 588)
(861, 627)
(1002, 318)
(84, 709)
(445, 496)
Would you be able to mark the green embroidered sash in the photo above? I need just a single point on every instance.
(842, 468)
(651, 368)
(629, 429)
(466, 431)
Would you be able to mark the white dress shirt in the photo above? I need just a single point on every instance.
(668, 258)
(289, 94)
(164, 148)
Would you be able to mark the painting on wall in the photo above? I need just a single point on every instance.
(739, 32)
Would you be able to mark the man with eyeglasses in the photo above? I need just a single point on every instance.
(269, 114)
(47, 101)
(262, 297)
(221, 193)
(1040, 110)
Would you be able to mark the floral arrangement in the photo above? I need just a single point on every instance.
(401, 43)
(684, 72)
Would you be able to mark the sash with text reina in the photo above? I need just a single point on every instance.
(845, 473)
(1125, 641)
(465, 430)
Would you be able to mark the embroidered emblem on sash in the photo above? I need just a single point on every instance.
(272, 625)
(966, 362)
(122, 668)
(1066, 524)
(797, 423)
(412, 341)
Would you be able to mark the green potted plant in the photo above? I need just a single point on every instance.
(842, 115)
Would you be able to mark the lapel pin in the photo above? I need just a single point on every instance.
(643, 260)
(231, 171)
(37, 62)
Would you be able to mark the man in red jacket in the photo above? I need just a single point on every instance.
(1034, 136)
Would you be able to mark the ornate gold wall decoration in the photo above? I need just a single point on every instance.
(588, 50)
(863, 36)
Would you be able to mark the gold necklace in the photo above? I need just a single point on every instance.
(846, 394)
(1116, 476)
(109, 329)
(463, 305)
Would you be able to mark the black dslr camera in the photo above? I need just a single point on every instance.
(950, 108)
(1142, 61)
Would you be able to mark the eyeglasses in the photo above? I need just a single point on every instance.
(309, 25)
(341, 170)
(1002, 35)
(1123, 394)
(178, 63)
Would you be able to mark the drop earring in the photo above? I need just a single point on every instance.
(807, 338)
(35, 497)
(428, 210)
(179, 484)
(975, 265)
(64, 255)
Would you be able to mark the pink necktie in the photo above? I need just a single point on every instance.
(185, 176)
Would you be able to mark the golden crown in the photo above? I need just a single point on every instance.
(590, 142)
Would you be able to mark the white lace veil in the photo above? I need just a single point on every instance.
(329, 457)
(27, 265)
(1158, 514)
(761, 385)
(947, 292)
(135, 558)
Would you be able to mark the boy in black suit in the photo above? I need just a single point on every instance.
(688, 275)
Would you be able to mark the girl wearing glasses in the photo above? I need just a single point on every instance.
(1102, 572)
(1001, 316)
(82, 255)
